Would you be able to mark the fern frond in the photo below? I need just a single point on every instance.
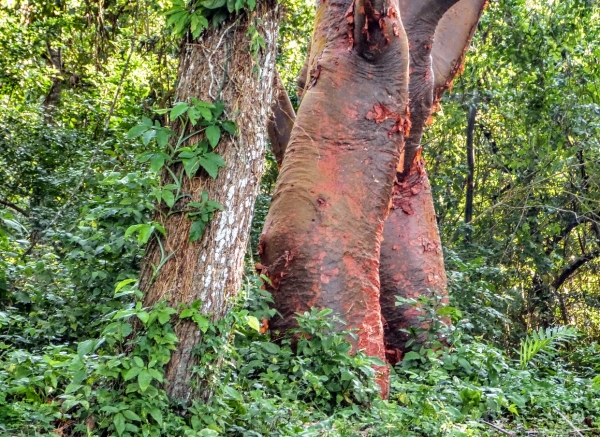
(544, 342)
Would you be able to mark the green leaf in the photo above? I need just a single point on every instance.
(202, 322)
(143, 316)
(132, 373)
(145, 233)
(229, 127)
(272, 348)
(412, 356)
(131, 415)
(162, 136)
(136, 131)
(186, 313)
(213, 4)
(253, 323)
(196, 230)
(213, 133)
(191, 166)
(179, 109)
(211, 162)
(144, 380)
(119, 422)
(156, 415)
(85, 347)
(157, 161)
(251, 4)
(123, 283)
(148, 135)
(169, 198)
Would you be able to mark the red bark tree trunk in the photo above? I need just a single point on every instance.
(412, 263)
(321, 240)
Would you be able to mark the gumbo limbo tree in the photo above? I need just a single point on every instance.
(353, 159)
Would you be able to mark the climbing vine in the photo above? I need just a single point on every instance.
(195, 16)
(171, 151)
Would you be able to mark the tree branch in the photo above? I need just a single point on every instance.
(572, 268)
(13, 206)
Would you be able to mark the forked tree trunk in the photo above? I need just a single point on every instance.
(412, 263)
(321, 240)
(219, 65)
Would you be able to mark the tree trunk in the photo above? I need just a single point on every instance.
(217, 66)
(321, 240)
(412, 263)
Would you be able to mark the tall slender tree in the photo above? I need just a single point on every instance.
(218, 65)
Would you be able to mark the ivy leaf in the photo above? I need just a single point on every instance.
(213, 133)
(239, 4)
(169, 198)
(191, 166)
(144, 380)
(179, 109)
(213, 4)
(157, 161)
(162, 136)
(251, 4)
(201, 321)
(136, 131)
(148, 135)
(211, 162)
(119, 422)
(230, 127)
(196, 230)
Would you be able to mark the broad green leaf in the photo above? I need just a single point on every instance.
(196, 230)
(119, 422)
(213, 133)
(191, 166)
(144, 380)
(179, 109)
(169, 198)
(145, 233)
(157, 161)
(229, 127)
(162, 136)
(202, 322)
(211, 162)
(253, 323)
(156, 415)
(272, 348)
(136, 131)
(213, 4)
(412, 356)
(85, 347)
(132, 373)
(148, 135)
(186, 313)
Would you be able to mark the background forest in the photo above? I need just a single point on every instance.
(77, 193)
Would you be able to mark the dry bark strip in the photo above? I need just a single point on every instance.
(321, 240)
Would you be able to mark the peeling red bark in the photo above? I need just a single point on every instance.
(320, 245)
(412, 263)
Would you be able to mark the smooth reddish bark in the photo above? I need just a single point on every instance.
(320, 245)
(412, 263)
